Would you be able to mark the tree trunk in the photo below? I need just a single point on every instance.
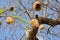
(31, 34)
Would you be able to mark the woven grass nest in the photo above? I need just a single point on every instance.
(37, 5)
(9, 20)
(11, 8)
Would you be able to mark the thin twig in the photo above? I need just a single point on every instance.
(57, 1)
(45, 8)
(48, 30)
(25, 10)
(22, 37)
(45, 11)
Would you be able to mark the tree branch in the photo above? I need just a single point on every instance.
(31, 33)
(25, 10)
(51, 22)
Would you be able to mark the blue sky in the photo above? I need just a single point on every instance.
(15, 31)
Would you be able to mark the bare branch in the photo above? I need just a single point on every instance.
(57, 1)
(48, 21)
(25, 10)
(22, 37)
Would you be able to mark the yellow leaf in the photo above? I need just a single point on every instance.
(1, 10)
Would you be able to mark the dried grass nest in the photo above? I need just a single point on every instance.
(37, 5)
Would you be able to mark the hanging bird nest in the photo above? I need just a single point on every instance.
(11, 8)
(34, 23)
(37, 5)
(9, 20)
(41, 27)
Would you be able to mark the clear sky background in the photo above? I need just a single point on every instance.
(16, 31)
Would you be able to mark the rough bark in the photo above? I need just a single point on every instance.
(31, 34)
(48, 21)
